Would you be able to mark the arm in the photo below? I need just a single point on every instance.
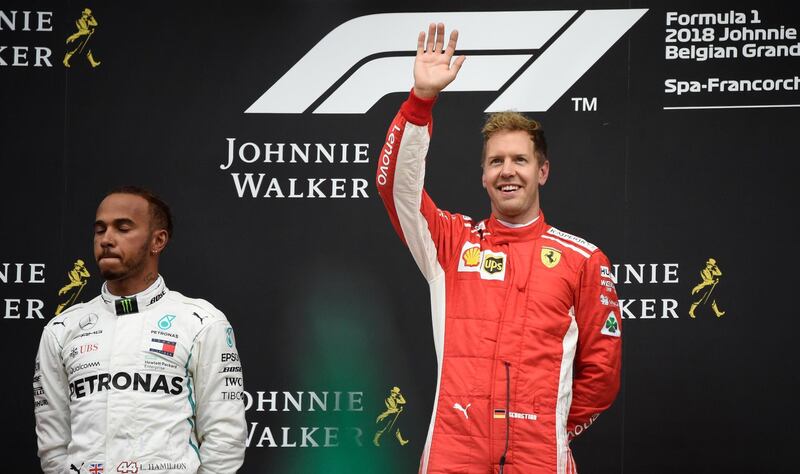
(599, 354)
(401, 166)
(219, 416)
(51, 405)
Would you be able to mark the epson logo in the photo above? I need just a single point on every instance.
(124, 381)
(230, 357)
(381, 65)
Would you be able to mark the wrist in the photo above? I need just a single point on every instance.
(423, 93)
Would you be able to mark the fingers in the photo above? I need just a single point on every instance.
(439, 37)
(457, 64)
(451, 44)
(433, 42)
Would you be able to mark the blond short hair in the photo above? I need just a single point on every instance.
(511, 121)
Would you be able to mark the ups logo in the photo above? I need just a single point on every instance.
(493, 264)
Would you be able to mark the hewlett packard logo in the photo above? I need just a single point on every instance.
(499, 45)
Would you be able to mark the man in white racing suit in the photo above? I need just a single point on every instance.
(141, 378)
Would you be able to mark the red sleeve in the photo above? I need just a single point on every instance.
(599, 354)
(430, 233)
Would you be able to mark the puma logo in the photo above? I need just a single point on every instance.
(458, 407)
(76, 469)
(59, 322)
(199, 317)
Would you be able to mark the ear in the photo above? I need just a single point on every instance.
(544, 172)
(159, 241)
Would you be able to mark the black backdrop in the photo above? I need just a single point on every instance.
(323, 295)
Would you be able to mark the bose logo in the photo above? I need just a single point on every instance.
(392, 35)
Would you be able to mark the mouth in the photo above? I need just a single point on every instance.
(509, 188)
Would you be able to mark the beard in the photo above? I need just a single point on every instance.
(127, 268)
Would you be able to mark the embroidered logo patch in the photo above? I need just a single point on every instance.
(493, 266)
(550, 257)
(611, 326)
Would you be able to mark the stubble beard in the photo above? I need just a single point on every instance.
(128, 270)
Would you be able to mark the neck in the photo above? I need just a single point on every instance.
(131, 285)
(521, 219)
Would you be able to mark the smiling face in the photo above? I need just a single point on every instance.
(512, 176)
(123, 237)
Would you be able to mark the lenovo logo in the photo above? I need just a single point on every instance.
(499, 45)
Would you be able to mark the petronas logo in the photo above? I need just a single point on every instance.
(165, 322)
(229, 337)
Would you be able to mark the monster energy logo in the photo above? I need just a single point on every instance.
(126, 305)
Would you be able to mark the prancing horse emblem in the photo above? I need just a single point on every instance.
(550, 256)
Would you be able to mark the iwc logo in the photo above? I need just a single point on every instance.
(387, 420)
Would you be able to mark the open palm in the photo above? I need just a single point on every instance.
(433, 70)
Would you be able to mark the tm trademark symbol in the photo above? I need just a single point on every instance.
(585, 104)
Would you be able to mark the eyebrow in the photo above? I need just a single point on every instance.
(116, 222)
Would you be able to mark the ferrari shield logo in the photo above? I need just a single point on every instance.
(550, 257)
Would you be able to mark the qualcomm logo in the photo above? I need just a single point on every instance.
(375, 53)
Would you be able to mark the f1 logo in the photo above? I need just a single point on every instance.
(382, 46)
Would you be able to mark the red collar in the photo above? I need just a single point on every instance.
(501, 233)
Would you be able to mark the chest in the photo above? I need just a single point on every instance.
(532, 282)
(151, 342)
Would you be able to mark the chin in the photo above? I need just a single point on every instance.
(109, 274)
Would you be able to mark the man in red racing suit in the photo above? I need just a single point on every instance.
(525, 317)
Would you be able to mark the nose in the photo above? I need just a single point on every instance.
(107, 239)
(508, 168)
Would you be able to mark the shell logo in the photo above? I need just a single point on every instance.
(472, 257)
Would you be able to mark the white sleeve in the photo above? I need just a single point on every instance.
(219, 417)
(51, 405)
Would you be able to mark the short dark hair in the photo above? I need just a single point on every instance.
(161, 216)
(512, 121)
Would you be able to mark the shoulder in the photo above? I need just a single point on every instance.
(72, 315)
(571, 243)
(203, 308)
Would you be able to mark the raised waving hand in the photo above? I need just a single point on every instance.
(434, 67)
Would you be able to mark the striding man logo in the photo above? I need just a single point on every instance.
(77, 43)
(387, 420)
(702, 293)
(78, 277)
